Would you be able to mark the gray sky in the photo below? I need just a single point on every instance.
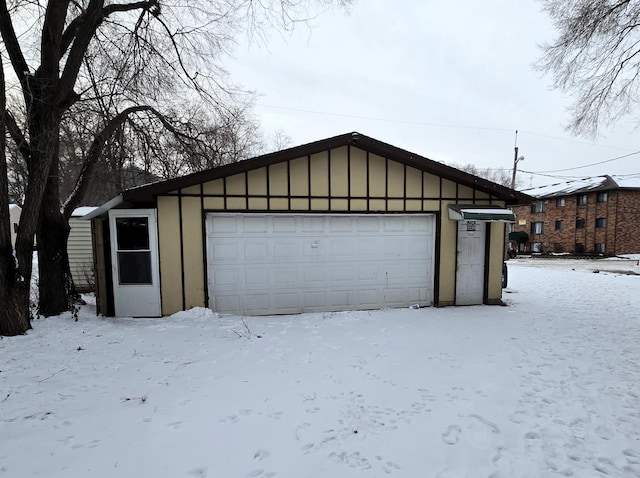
(451, 81)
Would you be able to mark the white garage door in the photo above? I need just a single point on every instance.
(261, 264)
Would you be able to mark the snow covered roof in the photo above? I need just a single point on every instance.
(585, 185)
(13, 206)
(83, 211)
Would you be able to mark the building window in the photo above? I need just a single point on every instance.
(601, 197)
(601, 222)
(559, 225)
(580, 223)
(582, 200)
(560, 202)
(15, 227)
(537, 228)
(600, 247)
(579, 247)
(537, 247)
(511, 227)
(537, 206)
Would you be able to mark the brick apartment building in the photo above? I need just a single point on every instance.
(597, 215)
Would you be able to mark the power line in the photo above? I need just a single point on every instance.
(440, 125)
(386, 120)
(581, 167)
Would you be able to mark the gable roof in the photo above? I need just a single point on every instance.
(586, 185)
(148, 193)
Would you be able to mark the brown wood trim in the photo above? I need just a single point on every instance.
(182, 272)
(204, 246)
(436, 260)
(370, 145)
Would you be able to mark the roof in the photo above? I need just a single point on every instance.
(14, 206)
(472, 212)
(586, 185)
(148, 193)
(83, 211)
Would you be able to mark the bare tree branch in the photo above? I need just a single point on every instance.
(595, 58)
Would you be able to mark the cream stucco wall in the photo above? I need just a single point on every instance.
(342, 180)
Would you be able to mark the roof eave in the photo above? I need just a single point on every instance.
(148, 193)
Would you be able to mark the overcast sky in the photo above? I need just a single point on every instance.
(451, 81)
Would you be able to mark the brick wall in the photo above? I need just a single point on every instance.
(620, 214)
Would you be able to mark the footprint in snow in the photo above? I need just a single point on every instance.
(452, 435)
(261, 454)
(199, 472)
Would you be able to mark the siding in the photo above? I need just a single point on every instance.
(81, 254)
(337, 181)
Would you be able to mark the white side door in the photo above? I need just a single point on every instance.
(470, 262)
(134, 262)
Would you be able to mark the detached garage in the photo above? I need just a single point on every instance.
(344, 223)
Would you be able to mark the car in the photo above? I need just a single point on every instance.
(505, 275)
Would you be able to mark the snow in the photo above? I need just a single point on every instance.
(630, 181)
(568, 187)
(547, 386)
(83, 211)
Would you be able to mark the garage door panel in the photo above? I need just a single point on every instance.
(287, 250)
(285, 276)
(285, 225)
(369, 298)
(340, 224)
(256, 276)
(339, 297)
(226, 250)
(227, 302)
(341, 273)
(313, 224)
(292, 263)
(226, 277)
(224, 224)
(314, 274)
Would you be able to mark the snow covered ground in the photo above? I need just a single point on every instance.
(547, 386)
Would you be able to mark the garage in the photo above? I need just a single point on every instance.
(261, 264)
(343, 223)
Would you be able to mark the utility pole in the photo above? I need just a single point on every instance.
(516, 160)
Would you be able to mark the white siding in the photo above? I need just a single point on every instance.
(81, 254)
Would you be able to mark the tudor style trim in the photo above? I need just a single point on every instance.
(147, 193)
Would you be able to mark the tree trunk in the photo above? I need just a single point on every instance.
(14, 287)
(14, 301)
(55, 285)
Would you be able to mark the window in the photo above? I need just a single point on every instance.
(537, 247)
(537, 206)
(601, 197)
(511, 227)
(15, 227)
(134, 254)
(580, 223)
(537, 228)
(601, 222)
(579, 247)
(582, 200)
(560, 202)
(600, 247)
(559, 225)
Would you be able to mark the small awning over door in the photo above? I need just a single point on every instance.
(519, 236)
(472, 212)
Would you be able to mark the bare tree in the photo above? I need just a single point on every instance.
(595, 58)
(127, 58)
(497, 175)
